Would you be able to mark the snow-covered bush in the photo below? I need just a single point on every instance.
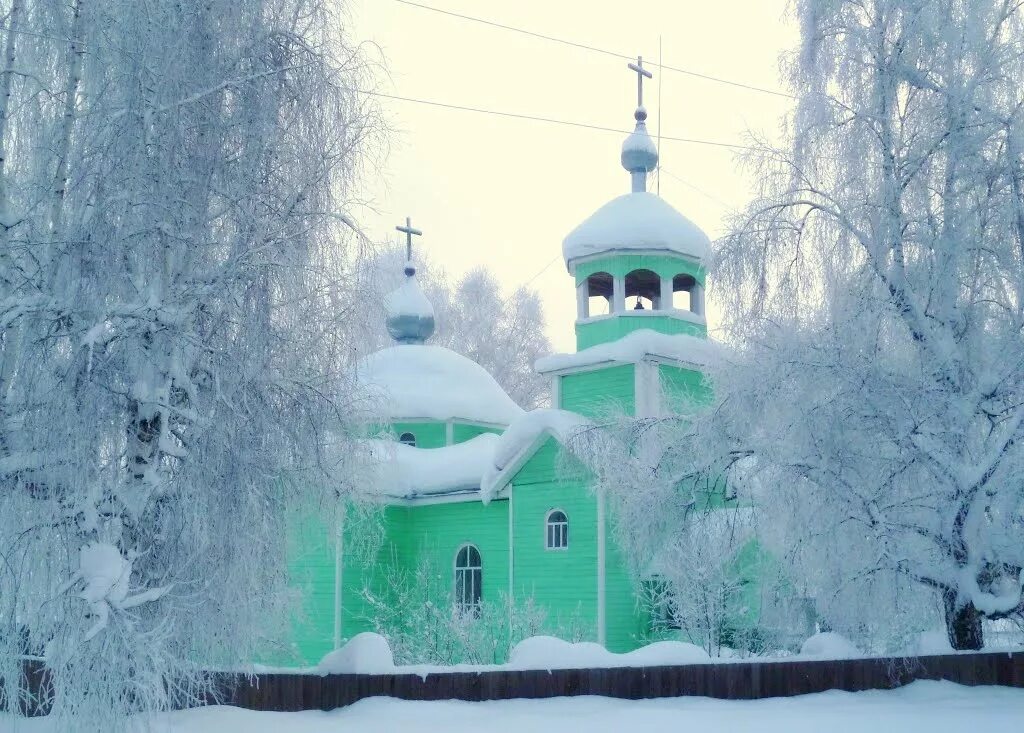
(365, 653)
(415, 611)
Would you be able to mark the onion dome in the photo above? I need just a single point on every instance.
(637, 221)
(410, 316)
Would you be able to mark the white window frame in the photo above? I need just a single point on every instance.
(460, 605)
(561, 528)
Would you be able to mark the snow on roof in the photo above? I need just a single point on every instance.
(435, 383)
(633, 348)
(522, 434)
(406, 472)
(636, 221)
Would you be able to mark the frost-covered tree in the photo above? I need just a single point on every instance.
(173, 180)
(876, 285)
(504, 334)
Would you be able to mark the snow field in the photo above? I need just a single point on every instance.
(922, 707)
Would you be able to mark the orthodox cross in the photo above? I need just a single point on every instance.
(641, 72)
(409, 232)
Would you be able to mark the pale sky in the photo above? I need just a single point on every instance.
(503, 193)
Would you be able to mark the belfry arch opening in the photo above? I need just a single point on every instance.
(596, 298)
(682, 292)
(643, 290)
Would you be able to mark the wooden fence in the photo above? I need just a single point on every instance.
(731, 681)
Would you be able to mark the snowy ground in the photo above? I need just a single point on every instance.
(928, 707)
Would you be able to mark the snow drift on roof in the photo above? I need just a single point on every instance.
(633, 348)
(405, 472)
(435, 383)
(640, 221)
(520, 435)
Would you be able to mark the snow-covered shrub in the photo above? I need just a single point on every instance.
(365, 653)
(415, 611)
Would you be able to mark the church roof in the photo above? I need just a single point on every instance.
(636, 221)
(635, 347)
(405, 472)
(434, 383)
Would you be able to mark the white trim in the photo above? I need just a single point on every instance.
(604, 363)
(547, 523)
(511, 562)
(449, 432)
(455, 574)
(675, 313)
(601, 620)
(429, 499)
(583, 299)
(618, 304)
(556, 392)
(339, 565)
(646, 387)
(518, 461)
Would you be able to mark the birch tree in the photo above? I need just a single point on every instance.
(173, 183)
(876, 286)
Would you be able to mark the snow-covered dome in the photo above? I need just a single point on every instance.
(410, 316)
(636, 221)
(434, 383)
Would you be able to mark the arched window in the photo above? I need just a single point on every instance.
(682, 292)
(556, 530)
(468, 579)
(643, 290)
(408, 439)
(598, 293)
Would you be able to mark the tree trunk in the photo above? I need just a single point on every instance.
(963, 622)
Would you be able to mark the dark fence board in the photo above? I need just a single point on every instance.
(731, 681)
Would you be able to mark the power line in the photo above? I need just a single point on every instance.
(698, 189)
(594, 49)
(551, 120)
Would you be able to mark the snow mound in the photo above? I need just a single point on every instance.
(666, 654)
(405, 472)
(365, 653)
(548, 652)
(419, 381)
(830, 645)
(634, 347)
(636, 221)
(520, 435)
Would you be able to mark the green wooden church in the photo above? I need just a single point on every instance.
(477, 489)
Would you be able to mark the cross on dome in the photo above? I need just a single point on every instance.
(641, 72)
(639, 154)
(409, 231)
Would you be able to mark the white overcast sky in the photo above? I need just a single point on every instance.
(503, 193)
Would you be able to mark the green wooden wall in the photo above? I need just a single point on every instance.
(311, 544)
(564, 582)
(612, 328)
(600, 391)
(461, 432)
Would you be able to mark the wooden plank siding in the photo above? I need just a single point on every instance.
(730, 681)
